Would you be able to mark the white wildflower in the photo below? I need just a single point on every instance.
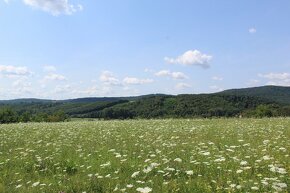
(243, 163)
(144, 190)
(35, 184)
(106, 164)
(254, 188)
(205, 153)
(233, 185)
(135, 174)
(266, 157)
(177, 160)
(189, 172)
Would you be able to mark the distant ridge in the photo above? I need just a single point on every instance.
(25, 100)
(109, 99)
(272, 100)
(77, 100)
(279, 94)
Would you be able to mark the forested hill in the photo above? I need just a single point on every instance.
(76, 100)
(277, 94)
(257, 102)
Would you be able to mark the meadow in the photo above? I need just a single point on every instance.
(170, 155)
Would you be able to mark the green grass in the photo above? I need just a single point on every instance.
(174, 155)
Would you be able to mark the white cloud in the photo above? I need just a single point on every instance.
(133, 80)
(252, 30)
(94, 91)
(21, 83)
(174, 75)
(253, 82)
(163, 73)
(279, 83)
(18, 87)
(148, 70)
(273, 76)
(178, 75)
(218, 78)
(191, 57)
(282, 79)
(54, 7)
(49, 68)
(216, 88)
(21, 87)
(62, 89)
(55, 77)
(80, 7)
(182, 85)
(21, 92)
(109, 78)
(14, 71)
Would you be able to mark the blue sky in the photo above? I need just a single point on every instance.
(60, 49)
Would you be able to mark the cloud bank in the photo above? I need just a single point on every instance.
(109, 78)
(11, 71)
(282, 79)
(191, 58)
(54, 7)
(252, 30)
(174, 75)
(136, 81)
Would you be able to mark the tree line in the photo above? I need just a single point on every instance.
(181, 106)
(7, 115)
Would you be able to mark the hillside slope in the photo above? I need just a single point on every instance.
(223, 104)
(277, 94)
(205, 105)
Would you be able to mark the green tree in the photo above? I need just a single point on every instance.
(263, 111)
(8, 116)
(25, 117)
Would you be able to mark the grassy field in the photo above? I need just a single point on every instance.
(174, 155)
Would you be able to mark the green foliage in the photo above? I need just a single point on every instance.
(7, 115)
(263, 111)
(181, 106)
(268, 111)
(265, 101)
(25, 117)
(57, 117)
(277, 94)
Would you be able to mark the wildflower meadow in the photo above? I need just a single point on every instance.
(170, 155)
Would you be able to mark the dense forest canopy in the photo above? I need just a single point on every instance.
(265, 101)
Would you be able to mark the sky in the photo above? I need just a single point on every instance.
(60, 49)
